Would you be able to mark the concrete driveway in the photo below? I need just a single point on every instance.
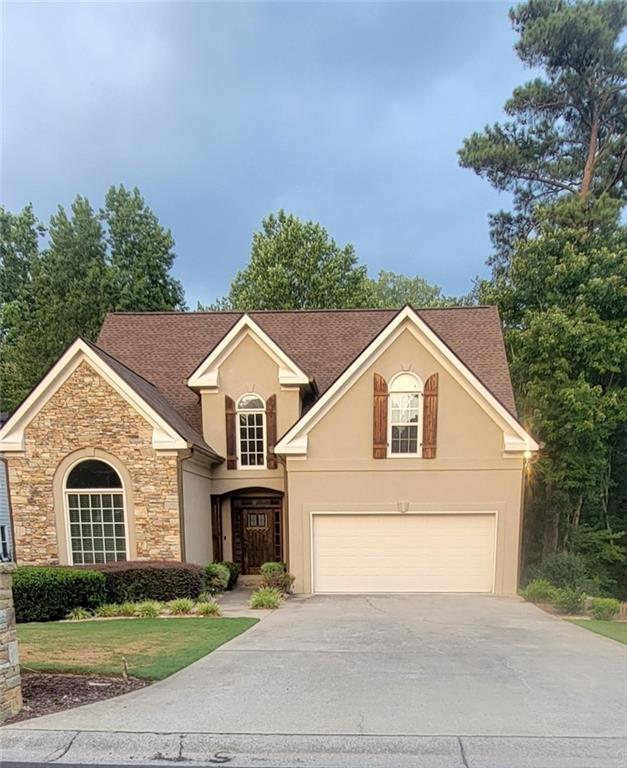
(388, 666)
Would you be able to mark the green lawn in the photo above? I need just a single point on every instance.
(153, 648)
(616, 630)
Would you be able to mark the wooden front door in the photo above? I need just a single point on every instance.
(256, 531)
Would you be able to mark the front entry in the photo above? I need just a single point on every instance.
(256, 531)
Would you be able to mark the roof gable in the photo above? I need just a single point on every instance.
(139, 393)
(206, 375)
(516, 439)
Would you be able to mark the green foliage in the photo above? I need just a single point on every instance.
(126, 609)
(567, 129)
(569, 600)
(181, 606)
(150, 580)
(148, 609)
(116, 259)
(604, 608)
(604, 553)
(234, 571)
(208, 608)
(539, 591)
(78, 614)
(394, 290)
(565, 570)
(275, 576)
(107, 610)
(265, 597)
(50, 593)
(217, 576)
(294, 264)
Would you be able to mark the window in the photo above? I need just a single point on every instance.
(95, 508)
(404, 415)
(251, 411)
(5, 552)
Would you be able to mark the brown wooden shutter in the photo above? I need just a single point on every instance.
(231, 435)
(380, 418)
(271, 460)
(430, 418)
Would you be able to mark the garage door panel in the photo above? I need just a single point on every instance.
(404, 553)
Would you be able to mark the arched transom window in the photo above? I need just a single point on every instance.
(94, 497)
(251, 414)
(404, 415)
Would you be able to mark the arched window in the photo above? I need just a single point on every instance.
(251, 416)
(94, 497)
(404, 419)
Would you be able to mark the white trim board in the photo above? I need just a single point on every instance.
(206, 376)
(515, 438)
(164, 437)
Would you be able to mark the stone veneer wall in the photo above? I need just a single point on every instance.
(10, 688)
(86, 412)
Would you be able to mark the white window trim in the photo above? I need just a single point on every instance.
(420, 394)
(66, 506)
(262, 411)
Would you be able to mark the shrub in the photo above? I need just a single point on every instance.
(234, 572)
(149, 580)
(275, 576)
(126, 609)
(50, 593)
(265, 597)
(204, 597)
(208, 608)
(569, 600)
(78, 614)
(180, 606)
(148, 609)
(539, 591)
(566, 570)
(107, 610)
(217, 577)
(604, 608)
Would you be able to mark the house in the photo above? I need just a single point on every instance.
(373, 450)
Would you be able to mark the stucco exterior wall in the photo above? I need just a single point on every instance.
(87, 417)
(197, 512)
(470, 472)
(247, 369)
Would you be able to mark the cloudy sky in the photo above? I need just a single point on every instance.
(350, 114)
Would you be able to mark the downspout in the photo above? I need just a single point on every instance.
(180, 458)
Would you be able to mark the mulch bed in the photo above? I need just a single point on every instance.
(45, 693)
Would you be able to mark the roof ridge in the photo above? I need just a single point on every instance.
(175, 312)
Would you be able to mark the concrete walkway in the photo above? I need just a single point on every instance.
(460, 677)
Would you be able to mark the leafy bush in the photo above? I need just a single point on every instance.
(569, 600)
(234, 572)
(605, 554)
(208, 608)
(566, 570)
(50, 593)
(126, 609)
(217, 577)
(275, 576)
(180, 606)
(78, 614)
(148, 609)
(107, 610)
(539, 591)
(149, 580)
(205, 597)
(265, 597)
(604, 608)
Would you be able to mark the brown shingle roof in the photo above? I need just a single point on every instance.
(166, 347)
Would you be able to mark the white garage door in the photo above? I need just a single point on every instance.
(404, 553)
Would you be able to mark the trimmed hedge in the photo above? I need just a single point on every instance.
(161, 580)
(49, 593)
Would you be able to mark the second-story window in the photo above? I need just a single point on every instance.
(251, 416)
(404, 420)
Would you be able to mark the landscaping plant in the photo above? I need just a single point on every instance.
(181, 606)
(265, 597)
(107, 610)
(126, 609)
(217, 577)
(275, 576)
(208, 608)
(50, 593)
(569, 600)
(78, 614)
(604, 608)
(148, 609)
(539, 591)
(234, 571)
(565, 570)
(149, 580)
